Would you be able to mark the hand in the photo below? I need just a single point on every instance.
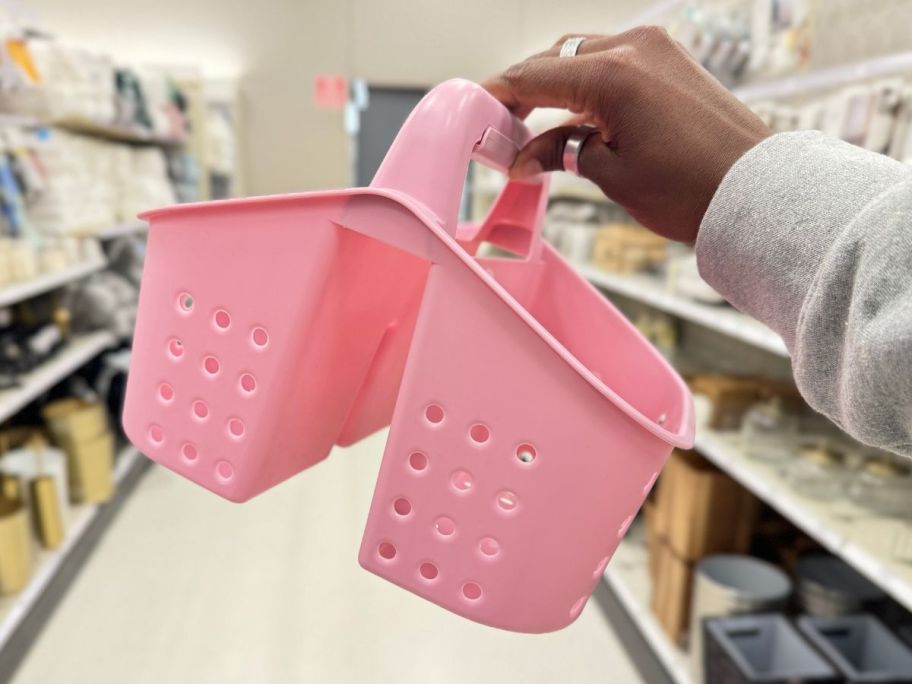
(666, 130)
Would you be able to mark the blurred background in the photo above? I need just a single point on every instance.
(777, 550)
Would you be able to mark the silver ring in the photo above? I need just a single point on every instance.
(571, 46)
(574, 146)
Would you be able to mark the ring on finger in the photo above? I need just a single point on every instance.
(570, 47)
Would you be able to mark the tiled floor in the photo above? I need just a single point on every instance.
(185, 587)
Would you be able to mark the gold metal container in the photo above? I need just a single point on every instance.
(15, 539)
(46, 511)
(91, 468)
(73, 420)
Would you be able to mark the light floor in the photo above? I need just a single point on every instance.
(185, 587)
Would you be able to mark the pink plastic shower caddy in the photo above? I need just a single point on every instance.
(529, 419)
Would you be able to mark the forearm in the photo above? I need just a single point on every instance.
(814, 237)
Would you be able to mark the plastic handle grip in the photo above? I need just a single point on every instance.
(455, 122)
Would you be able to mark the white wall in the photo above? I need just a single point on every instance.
(276, 47)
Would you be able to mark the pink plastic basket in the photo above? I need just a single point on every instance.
(530, 418)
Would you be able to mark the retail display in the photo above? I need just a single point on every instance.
(762, 648)
(16, 555)
(827, 587)
(727, 584)
(860, 648)
(81, 429)
(211, 332)
(624, 248)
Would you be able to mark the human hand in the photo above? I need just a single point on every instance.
(666, 130)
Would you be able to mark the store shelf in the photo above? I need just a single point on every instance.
(124, 229)
(628, 577)
(18, 292)
(863, 539)
(13, 609)
(114, 132)
(73, 356)
(827, 78)
(652, 291)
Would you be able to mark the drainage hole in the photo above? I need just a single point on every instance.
(211, 365)
(434, 414)
(471, 591)
(402, 507)
(445, 526)
(429, 571)
(386, 550)
(222, 319)
(418, 461)
(479, 433)
(526, 453)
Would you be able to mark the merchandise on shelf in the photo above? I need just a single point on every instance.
(42, 474)
(16, 554)
(81, 429)
(761, 648)
(728, 584)
(627, 248)
(827, 586)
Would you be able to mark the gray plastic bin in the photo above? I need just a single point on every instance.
(860, 648)
(764, 649)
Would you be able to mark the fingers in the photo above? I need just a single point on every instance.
(552, 82)
(545, 153)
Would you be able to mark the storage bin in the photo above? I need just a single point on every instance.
(91, 468)
(727, 584)
(74, 420)
(761, 648)
(15, 538)
(860, 648)
(828, 587)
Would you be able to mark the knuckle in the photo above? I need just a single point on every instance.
(516, 73)
(651, 34)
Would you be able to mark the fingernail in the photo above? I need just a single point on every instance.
(530, 167)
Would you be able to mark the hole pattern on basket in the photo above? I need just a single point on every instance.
(417, 461)
(222, 320)
(189, 452)
(489, 547)
(211, 366)
(185, 302)
(445, 526)
(472, 591)
(461, 482)
(526, 453)
(166, 392)
(434, 414)
(480, 433)
(232, 428)
(402, 506)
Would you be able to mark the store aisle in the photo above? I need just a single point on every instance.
(185, 587)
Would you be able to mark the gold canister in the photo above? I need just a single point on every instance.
(46, 511)
(91, 468)
(15, 539)
(74, 420)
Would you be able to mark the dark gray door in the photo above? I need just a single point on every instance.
(387, 109)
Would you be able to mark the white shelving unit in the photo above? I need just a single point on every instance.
(628, 576)
(827, 78)
(13, 609)
(74, 355)
(18, 292)
(652, 291)
(861, 538)
(132, 228)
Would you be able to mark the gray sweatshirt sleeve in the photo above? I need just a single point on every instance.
(813, 237)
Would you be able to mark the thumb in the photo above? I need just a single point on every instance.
(545, 152)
